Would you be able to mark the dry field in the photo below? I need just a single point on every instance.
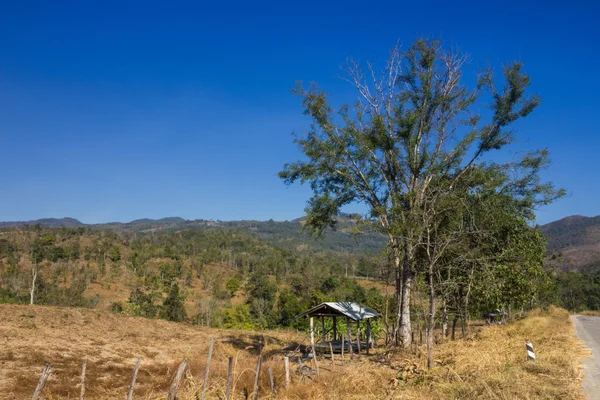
(489, 364)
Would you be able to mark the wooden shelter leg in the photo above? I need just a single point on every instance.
(343, 346)
(368, 335)
(348, 330)
(334, 329)
(358, 335)
(323, 339)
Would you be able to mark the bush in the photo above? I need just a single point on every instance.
(173, 308)
(117, 307)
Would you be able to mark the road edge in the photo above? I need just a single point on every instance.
(589, 388)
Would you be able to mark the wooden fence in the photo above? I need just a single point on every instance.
(172, 395)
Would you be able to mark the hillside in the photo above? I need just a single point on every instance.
(576, 239)
(284, 234)
(214, 277)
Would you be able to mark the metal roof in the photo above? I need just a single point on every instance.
(352, 310)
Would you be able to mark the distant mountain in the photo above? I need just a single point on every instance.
(577, 239)
(48, 222)
(283, 234)
(167, 220)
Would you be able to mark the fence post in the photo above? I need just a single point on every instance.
(271, 382)
(133, 378)
(331, 349)
(175, 385)
(83, 367)
(286, 361)
(312, 343)
(210, 351)
(256, 378)
(40, 386)
(229, 378)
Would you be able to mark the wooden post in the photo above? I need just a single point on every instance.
(349, 332)
(316, 361)
(368, 335)
(286, 360)
(312, 343)
(175, 384)
(210, 351)
(229, 378)
(82, 391)
(323, 336)
(331, 349)
(271, 382)
(343, 345)
(334, 329)
(257, 377)
(40, 386)
(358, 335)
(133, 378)
(312, 334)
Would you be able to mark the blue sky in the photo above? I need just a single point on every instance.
(112, 111)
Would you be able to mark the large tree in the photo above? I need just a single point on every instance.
(415, 138)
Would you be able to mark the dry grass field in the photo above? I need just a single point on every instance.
(489, 364)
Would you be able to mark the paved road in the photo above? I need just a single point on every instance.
(588, 330)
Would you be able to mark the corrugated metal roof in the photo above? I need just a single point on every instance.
(348, 309)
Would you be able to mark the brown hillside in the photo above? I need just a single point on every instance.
(576, 239)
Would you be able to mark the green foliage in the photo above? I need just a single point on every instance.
(141, 303)
(259, 286)
(238, 317)
(173, 306)
(10, 297)
(578, 291)
(115, 254)
(232, 285)
(288, 307)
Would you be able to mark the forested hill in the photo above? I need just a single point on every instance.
(284, 234)
(576, 239)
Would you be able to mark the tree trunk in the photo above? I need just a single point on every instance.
(34, 273)
(398, 266)
(454, 322)
(404, 327)
(444, 319)
(430, 319)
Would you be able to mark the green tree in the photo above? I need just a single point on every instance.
(173, 308)
(415, 138)
(232, 285)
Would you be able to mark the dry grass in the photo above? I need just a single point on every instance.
(490, 364)
(591, 313)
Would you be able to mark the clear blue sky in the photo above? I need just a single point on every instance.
(111, 111)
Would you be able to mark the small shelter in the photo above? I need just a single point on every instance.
(351, 311)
